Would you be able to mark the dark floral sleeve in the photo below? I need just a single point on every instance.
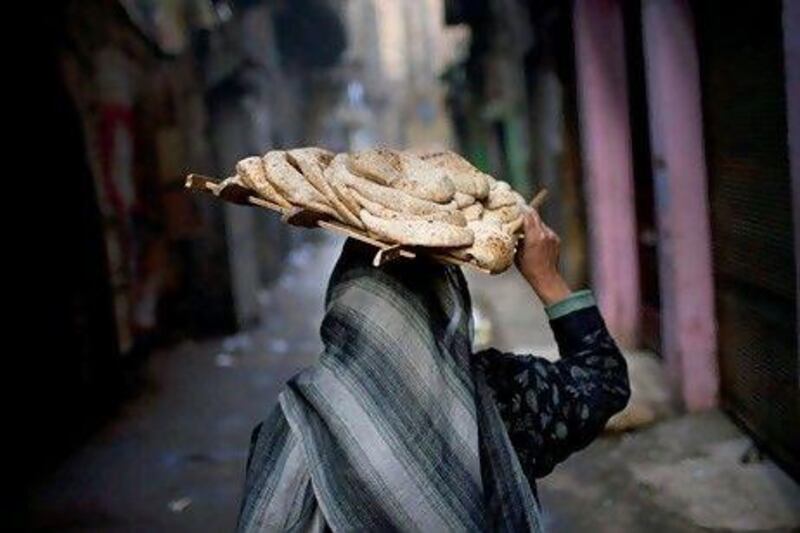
(552, 409)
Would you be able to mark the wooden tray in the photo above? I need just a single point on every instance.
(302, 217)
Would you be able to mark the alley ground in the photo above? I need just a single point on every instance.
(173, 459)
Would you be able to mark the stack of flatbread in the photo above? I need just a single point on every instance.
(429, 199)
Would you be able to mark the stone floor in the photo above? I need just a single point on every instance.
(173, 459)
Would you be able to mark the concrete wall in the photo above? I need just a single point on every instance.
(606, 146)
(688, 329)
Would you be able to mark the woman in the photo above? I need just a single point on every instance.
(400, 426)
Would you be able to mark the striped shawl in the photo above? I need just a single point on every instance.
(396, 427)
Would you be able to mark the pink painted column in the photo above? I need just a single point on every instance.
(606, 146)
(791, 47)
(688, 323)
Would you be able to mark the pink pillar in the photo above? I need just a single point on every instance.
(606, 146)
(688, 325)
(791, 46)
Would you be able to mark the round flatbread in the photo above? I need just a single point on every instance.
(501, 197)
(466, 178)
(502, 215)
(464, 200)
(251, 173)
(403, 171)
(450, 217)
(473, 212)
(312, 163)
(293, 185)
(386, 196)
(493, 248)
(412, 232)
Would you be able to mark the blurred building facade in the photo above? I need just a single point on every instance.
(145, 93)
(666, 131)
(396, 52)
(148, 92)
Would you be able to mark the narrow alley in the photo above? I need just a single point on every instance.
(212, 156)
(174, 458)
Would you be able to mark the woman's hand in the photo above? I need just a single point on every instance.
(537, 260)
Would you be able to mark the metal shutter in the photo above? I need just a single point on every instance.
(750, 189)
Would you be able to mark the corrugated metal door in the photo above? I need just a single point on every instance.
(746, 143)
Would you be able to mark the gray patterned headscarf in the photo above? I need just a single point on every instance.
(394, 429)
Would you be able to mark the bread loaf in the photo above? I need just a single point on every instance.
(502, 215)
(473, 212)
(291, 184)
(464, 200)
(386, 196)
(492, 248)
(312, 162)
(450, 217)
(403, 171)
(500, 197)
(380, 165)
(250, 172)
(333, 177)
(514, 226)
(413, 232)
(466, 178)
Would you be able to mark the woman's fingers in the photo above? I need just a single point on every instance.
(529, 227)
(550, 234)
(538, 235)
(535, 219)
(534, 227)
